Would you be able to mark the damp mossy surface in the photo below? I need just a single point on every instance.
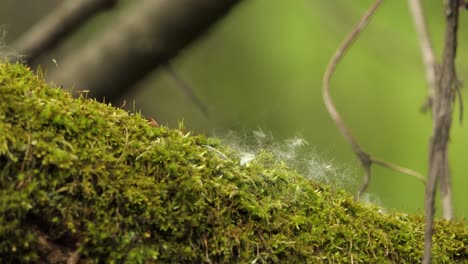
(82, 178)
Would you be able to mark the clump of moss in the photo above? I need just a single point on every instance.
(86, 181)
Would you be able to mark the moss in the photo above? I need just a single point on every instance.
(81, 178)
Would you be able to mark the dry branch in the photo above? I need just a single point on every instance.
(365, 159)
(427, 50)
(431, 67)
(62, 21)
(442, 115)
(148, 35)
(187, 89)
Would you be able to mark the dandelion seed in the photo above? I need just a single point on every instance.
(55, 62)
(246, 158)
(259, 133)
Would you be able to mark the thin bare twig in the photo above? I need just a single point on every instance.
(339, 54)
(403, 170)
(187, 89)
(442, 115)
(427, 50)
(365, 159)
(432, 68)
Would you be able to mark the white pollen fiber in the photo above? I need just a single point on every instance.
(6, 54)
(295, 152)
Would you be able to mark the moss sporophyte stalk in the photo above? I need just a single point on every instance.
(84, 180)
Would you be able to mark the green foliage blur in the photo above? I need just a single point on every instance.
(262, 67)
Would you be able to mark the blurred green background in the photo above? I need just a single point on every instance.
(262, 67)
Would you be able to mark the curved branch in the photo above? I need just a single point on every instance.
(365, 159)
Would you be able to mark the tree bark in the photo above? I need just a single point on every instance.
(62, 21)
(148, 35)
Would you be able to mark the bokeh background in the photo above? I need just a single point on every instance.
(261, 68)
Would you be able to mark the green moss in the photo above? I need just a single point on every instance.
(76, 174)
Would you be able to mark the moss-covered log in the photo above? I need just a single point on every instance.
(85, 182)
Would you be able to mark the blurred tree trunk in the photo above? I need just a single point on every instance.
(59, 23)
(149, 34)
